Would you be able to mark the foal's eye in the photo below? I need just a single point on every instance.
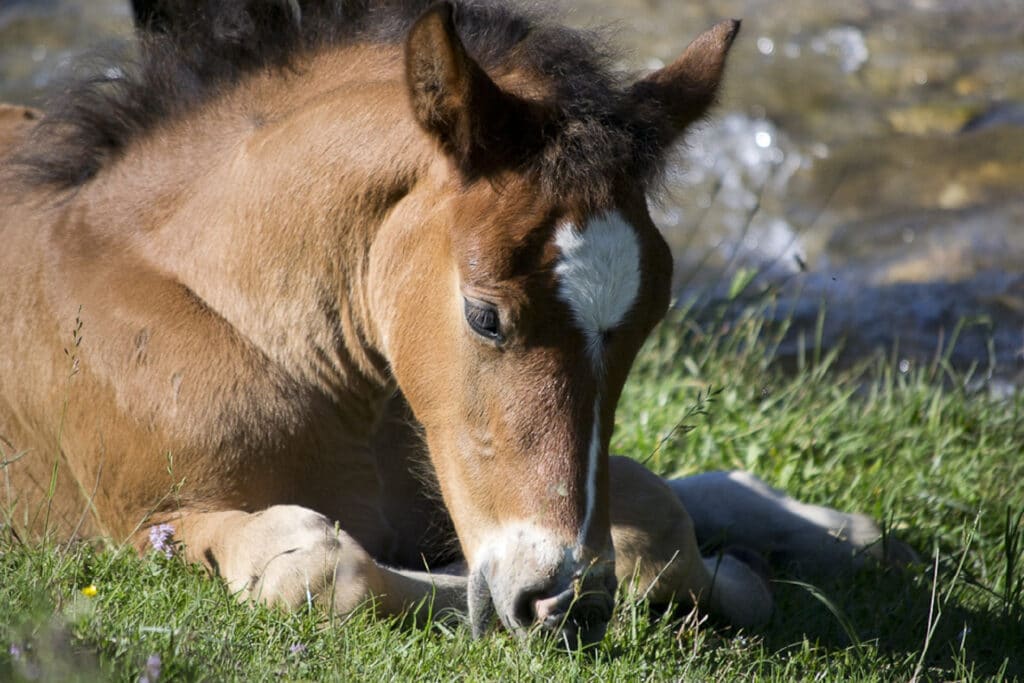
(484, 320)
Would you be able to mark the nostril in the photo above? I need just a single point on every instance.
(577, 618)
(592, 612)
(582, 608)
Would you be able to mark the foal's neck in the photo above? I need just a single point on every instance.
(266, 204)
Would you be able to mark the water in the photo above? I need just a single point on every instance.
(40, 37)
(867, 155)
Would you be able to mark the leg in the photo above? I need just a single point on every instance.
(730, 508)
(655, 546)
(288, 555)
(657, 557)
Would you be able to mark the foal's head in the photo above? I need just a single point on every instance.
(527, 279)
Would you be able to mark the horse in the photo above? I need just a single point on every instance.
(338, 300)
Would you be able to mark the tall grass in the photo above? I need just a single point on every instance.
(939, 463)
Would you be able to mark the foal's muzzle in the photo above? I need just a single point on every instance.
(533, 585)
(579, 615)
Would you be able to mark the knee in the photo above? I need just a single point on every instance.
(643, 509)
(655, 546)
(310, 561)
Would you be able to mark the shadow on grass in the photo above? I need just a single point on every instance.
(892, 610)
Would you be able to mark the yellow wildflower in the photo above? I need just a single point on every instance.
(90, 591)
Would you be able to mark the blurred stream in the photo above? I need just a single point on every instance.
(867, 156)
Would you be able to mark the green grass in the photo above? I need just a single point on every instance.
(942, 468)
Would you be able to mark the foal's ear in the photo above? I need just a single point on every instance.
(682, 92)
(455, 100)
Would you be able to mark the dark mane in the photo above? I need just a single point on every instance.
(190, 51)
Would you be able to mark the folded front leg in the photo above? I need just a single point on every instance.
(289, 556)
(657, 557)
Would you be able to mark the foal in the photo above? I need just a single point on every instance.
(300, 244)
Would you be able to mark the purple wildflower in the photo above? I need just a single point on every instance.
(15, 651)
(297, 649)
(152, 672)
(160, 537)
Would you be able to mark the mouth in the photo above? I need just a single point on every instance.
(578, 618)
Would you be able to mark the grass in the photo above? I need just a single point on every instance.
(939, 465)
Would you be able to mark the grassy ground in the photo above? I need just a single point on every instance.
(941, 467)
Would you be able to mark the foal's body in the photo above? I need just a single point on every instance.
(211, 370)
(245, 275)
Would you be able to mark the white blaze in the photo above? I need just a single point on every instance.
(598, 277)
